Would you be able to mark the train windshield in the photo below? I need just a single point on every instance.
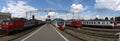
(60, 22)
(5, 22)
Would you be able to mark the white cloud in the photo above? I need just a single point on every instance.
(66, 16)
(4, 9)
(18, 8)
(60, 15)
(40, 17)
(98, 16)
(77, 7)
(51, 13)
(108, 4)
(118, 8)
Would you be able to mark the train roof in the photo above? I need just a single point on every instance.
(13, 19)
(18, 19)
(58, 19)
(96, 20)
(89, 20)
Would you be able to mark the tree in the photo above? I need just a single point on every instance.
(117, 18)
(96, 18)
(106, 18)
(111, 18)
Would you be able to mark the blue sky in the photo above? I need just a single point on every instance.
(95, 8)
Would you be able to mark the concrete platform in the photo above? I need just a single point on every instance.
(45, 33)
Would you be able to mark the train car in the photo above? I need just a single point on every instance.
(9, 25)
(59, 23)
(93, 23)
(117, 23)
(68, 22)
(100, 23)
(14, 24)
(40, 22)
(74, 23)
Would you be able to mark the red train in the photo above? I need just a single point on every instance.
(9, 25)
(93, 23)
(74, 22)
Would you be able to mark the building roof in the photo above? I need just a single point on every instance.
(3, 13)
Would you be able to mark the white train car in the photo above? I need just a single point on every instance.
(59, 23)
(112, 24)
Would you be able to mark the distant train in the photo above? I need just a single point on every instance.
(94, 23)
(9, 25)
(59, 23)
(48, 20)
(102, 23)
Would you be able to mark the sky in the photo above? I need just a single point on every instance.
(83, 9)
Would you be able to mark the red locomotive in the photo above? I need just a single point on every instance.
(9, 25)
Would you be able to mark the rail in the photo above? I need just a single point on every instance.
(99, 35)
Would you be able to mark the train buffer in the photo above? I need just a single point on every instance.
(45, 33)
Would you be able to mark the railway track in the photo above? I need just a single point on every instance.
(80, 39)
(94, 34)
(102, 29)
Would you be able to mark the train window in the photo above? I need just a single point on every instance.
(84, 22)
(103, 22)
(108, 22)
(98, 22)
(92, 22)
(60, 22)
(5, 22)
(111, 22)
(87, 22)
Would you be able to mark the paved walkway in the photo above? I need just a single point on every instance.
(45, 33)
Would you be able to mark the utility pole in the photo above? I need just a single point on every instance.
(26, 14)
(73, 15)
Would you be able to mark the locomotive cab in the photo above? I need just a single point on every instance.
(61, 24)
(6, 23)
